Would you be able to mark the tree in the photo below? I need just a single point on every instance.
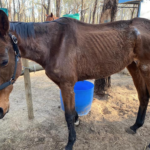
(14, 10)
(94, 11)
(109, 11)
(82, 6)
(58, 8)
(9, 10)
(108, 15)
(45, 6)
(33, 16)
(42, 12)
(1, 4)
(18, 11)
(90, 15)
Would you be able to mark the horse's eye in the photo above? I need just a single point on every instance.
(4, 63)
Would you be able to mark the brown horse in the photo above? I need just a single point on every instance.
(51, 17)
(7, 65)
(71, 51)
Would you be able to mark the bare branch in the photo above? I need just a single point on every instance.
(41, 5)
(84, 9)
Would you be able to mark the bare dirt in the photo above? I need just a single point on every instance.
(102, 129)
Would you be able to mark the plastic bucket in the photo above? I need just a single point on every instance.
(83, 97)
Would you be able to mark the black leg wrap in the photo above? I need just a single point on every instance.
(140, 118)
(72, 134)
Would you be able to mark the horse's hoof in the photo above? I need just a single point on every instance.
(77, 123)
(68, 148)
(130, 131)
(148, 147)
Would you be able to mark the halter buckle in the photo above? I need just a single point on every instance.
(12, 80)
(14, 39)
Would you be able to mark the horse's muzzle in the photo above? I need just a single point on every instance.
(1, 113)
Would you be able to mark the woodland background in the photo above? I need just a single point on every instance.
(89, 10)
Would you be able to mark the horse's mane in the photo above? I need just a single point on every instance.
(26, 30)
(23, 29)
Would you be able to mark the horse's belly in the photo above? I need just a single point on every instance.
(104, 53)
(95, 68)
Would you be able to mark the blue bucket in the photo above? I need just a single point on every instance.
(83, 97)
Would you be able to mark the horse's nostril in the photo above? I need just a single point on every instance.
(1, 113)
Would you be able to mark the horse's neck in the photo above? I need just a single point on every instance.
(30, 49)
(32, 40)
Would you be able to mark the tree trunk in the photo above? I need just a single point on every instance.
(9, 11)
(48, 7)
(24, 14)
(7, 4)
(42, 11)
(51, 4)
(25, 17)
(14, 10)
(102, 85)
(19, 11)
(109, 11)
(58, 8)
(82, 7)
(132, 13)
(107, 15)
(1, 4)
(94, 11)
(90, 15)
(97, 17)
(33, 17)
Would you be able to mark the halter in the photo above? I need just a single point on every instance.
(17, 55)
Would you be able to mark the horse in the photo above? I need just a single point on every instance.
(71, 51)
(8, 67)
(51, 17)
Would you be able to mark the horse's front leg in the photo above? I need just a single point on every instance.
(70, 114)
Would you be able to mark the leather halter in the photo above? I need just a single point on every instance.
(17, 55)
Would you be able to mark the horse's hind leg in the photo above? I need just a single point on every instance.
(77, 121)
(70, 113)
(148, 147)
(143, 95)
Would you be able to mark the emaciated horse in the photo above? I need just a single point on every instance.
(71, 51)
(51, 17)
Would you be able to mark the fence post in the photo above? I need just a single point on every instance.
(27, 84)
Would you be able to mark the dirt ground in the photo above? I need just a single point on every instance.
(102, 129)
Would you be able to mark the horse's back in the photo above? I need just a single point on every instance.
(98, 50)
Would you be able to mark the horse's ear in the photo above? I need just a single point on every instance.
(4, 23)
(51, 14)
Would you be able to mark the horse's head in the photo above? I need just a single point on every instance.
(7, 63)
(51, 17)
